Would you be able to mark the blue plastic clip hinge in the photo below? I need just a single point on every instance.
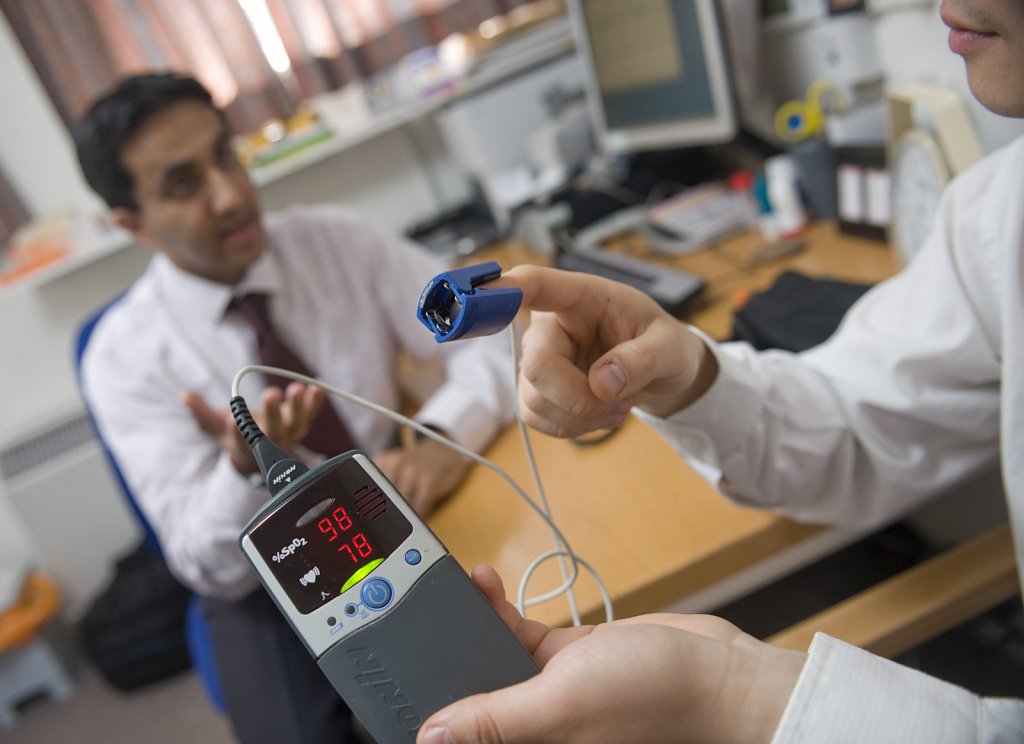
(452, 306)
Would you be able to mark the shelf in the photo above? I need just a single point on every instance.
(98, 247)
(535, 47)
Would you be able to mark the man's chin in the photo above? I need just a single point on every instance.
(247, 238)
(996, 100)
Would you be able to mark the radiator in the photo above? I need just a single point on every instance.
(58, 482)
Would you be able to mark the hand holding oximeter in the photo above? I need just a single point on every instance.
(394, 622)
(453, 306)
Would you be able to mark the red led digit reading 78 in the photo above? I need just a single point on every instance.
(339, 521)
(359, 546)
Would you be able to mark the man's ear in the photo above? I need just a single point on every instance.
(131, 221)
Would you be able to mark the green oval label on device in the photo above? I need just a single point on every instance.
(361, 574)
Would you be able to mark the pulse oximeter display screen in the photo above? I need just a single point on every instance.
(330, 535)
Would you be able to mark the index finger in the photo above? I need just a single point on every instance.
(270, 411)
(554, 290)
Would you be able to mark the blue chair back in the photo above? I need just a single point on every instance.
(196, 634)
(81, 342)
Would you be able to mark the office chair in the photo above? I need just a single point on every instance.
(196, 634)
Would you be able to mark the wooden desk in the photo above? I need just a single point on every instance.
(653, 529)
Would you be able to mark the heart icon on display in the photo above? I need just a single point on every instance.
(309, 577)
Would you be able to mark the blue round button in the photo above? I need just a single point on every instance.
(376, 593)
(413, 557)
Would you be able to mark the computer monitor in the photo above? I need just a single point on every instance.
(655, 72)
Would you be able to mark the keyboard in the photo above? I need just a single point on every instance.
(670, 288)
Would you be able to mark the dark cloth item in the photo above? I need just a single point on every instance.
(273, 689)
(796, 313)
(328, 435)
(134, 631)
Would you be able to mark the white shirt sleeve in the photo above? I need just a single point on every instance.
(879, 418)
(901, 403)
(845, 694)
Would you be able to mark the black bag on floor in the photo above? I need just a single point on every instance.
(134, 631)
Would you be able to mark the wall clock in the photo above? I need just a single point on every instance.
(931, 140)
(918, 174)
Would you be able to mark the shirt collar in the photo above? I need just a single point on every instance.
(206, 301)
(263, 277)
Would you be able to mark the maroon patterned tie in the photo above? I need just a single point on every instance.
(327, 434)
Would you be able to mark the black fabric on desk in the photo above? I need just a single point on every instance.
(796, 313)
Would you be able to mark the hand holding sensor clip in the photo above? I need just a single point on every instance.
(453, 306)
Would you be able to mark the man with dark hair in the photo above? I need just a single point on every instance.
(223, 282)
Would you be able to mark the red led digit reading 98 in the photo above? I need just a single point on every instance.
(337, 528)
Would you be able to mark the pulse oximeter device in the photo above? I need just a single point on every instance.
(392, 619)
(453, 306)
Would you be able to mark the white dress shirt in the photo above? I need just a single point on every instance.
(921, 388)
(344, 296)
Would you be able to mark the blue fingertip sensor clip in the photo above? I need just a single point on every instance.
(452, 306)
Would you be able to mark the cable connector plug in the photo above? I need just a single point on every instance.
(279, 468)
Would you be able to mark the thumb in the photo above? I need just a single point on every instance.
(468, 720)
(663, 370)
(513, 715)
(629, 367)
(209, 420)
